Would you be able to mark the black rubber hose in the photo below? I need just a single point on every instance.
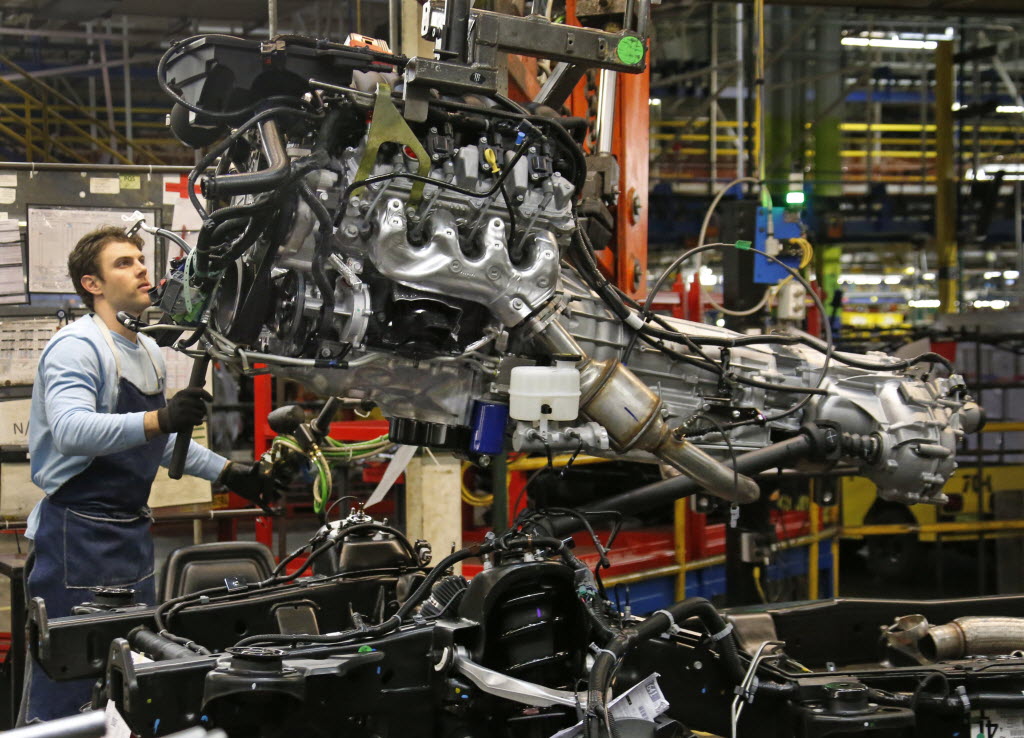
(157, 647)
(236, 248)
(229, 142)
(320, 254)
(248, 183)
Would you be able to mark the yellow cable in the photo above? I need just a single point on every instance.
(470, 497)
(757, 583)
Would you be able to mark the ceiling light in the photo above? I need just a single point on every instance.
(992, 275)
(928, 276)
(923, 303)
(1010, 108)
(888, 43)
(1011, 274)
(860, 279)
(994, 304)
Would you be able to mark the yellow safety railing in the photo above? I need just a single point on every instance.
(685, 144)
(37, 137)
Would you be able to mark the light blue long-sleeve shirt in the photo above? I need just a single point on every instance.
(72, 420)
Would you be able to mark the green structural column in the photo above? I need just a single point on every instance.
(782, 113)
(828, 111)
(828, 269)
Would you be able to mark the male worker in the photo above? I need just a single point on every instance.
(98, 429)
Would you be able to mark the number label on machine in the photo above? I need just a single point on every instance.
(997, 723)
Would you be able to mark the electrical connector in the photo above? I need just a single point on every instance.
(792, 301)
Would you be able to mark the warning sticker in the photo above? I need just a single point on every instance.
(991, 723)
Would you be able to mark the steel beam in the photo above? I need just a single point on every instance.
(946, 181)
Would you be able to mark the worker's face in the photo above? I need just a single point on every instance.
(123, 280)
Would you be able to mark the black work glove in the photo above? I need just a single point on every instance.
(255, 482)
(184, 411)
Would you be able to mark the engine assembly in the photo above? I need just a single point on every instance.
(373, 231)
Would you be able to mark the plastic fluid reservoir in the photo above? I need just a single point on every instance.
(545, 392)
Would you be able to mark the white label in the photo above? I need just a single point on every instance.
(14, 422)
(992, 723)
(104, 185)
(116, 726)
(643, 701)
(7, 195)
(9, 180)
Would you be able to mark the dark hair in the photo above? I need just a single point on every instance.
(85, 256)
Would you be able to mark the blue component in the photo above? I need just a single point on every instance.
(488, 425)
(787, 225)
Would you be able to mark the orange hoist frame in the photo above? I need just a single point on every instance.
(625, 261)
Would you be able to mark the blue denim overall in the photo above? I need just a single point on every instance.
(94, 532)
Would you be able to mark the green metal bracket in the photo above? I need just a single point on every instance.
(388, 126)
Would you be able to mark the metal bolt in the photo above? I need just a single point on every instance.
(476, 77)
(455, 266)
(517, 304)
(735, 413)
(493, 273)
(350, 231)
(325, 353)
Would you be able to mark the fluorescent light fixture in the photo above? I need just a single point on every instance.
(1012, 170)
(654, 101)
(888, 43)
(994, 304)
(928, 276)
(794, 198)
(923, 303)
(993, 275)
(861, 279)
(1010, 109)
(893, 279)
(1011, 274)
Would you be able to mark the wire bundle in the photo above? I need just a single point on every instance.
(335, 452)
